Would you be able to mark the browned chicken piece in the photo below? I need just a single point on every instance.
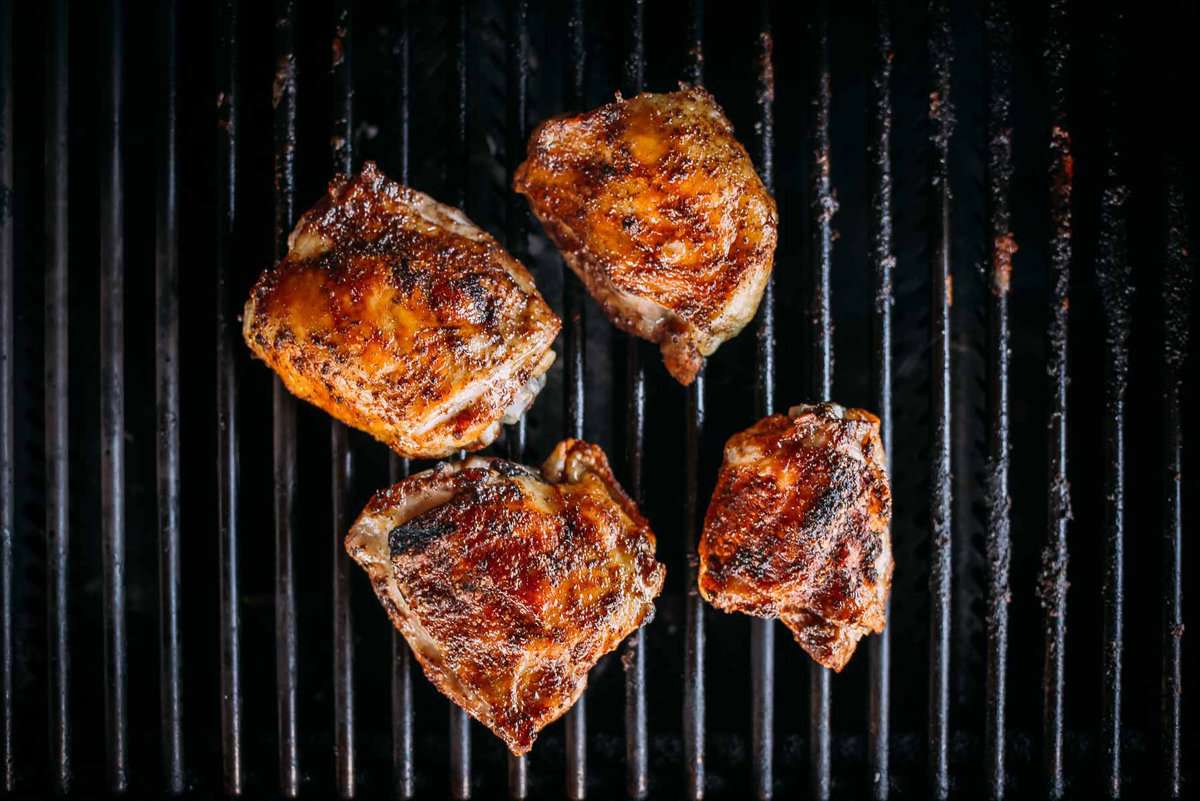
(658, 210)
(399, 317)
(799, 528)
(508, 584)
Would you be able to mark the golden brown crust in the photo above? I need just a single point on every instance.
(397, 316)
(659, 211)
(798, 528)
(510, 585)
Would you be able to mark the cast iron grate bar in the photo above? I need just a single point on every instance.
(166, 264)
(941, 115)
(112, 409)
(1177, 298)
(1116, 280)
(762, 632)
(460, 723)
(879, 168)
(283, 416)
(999, 501)
(824, 206)
(57, 434)
(574, 312)
(7, 484)
(404, 784)
(634, 660)
(693, 658)
(227, 393)
(341, 458)
(227, 429)
(1053, 582)
(516, 109)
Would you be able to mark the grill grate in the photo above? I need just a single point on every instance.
(1098, 232)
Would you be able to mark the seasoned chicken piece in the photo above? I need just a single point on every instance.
(798, 528)
(396, 315)
(658, 210)
(509, 584)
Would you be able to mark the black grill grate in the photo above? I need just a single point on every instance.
(996, 296)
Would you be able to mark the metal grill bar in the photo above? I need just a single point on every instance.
(999, 501)
(227, 428)
(404, 784)
(879, 161)
(693, 658)
(112, 410)
(1053, 582)
(1115, 275)
(7, 484)
(1177, 298)
(515, 231)
(575, 314)
(283, 415)
(941, 114)
(762, 632)
(460, 723)
(636, 779)
(824, 206)
(167, 401)
(341, 457)
(57, 434)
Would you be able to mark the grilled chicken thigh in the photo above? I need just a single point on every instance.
(509, 584)
(658, 210)
(399, 317)
(798, 528)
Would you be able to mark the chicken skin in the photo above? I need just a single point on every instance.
(509, 585)
(399, 317)
(658, 210)
(799, 528)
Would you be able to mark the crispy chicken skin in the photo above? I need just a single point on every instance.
(658, 210)
(798, 528)
(399, 317)
(508, 584)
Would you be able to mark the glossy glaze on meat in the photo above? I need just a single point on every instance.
(799, 528)
(658, 210)
(509, 584)
(399, 317)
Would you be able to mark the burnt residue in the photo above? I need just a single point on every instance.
(1053, 578)
(1114, 274)
(882, 254)
(941, 116)
(998, 497)
(1178, 275)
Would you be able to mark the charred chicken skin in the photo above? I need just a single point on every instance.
(399, 317)
(658, 210)
(510, 584)
(798, 528)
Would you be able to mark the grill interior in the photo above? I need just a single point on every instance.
(987, 236)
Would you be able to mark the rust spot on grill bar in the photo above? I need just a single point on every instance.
(949, 290)
(1003, 248)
